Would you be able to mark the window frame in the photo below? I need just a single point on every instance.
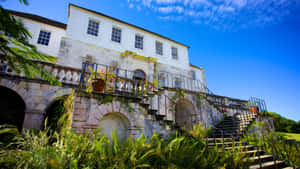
(91, 31)
(194, 75)
(41, 40)
(142, 42)
(157, 51)
(178, 83)
(114, 36)
(175, 57)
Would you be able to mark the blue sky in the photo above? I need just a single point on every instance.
(247, 47)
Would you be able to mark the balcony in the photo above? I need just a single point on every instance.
(107, 79)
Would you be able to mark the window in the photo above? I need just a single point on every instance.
(194, 75)
(159, 48)
(116, 35)
(44, 38)
(177, 83)
(93, 28)
(139, 75)
(139, 42)
(162, 79)
(174, 53)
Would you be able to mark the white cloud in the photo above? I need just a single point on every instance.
(131, 5)
(167, 1)
(139, 8)
(171, 9)
(221, 13)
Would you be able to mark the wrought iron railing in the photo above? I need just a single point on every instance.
(107, 79)
(258, 105)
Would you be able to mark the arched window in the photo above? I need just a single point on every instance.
(139, 75)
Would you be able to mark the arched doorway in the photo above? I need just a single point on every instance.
(139, 75)
(54, 112)
(117, 122)
(12, 108)
(183, 114)
(139, 78)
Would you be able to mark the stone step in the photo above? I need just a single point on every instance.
(226, 135)
(269, 165)
(262, 158)
(216, 139)
(246, 147)
(226, 130)
(227, 144)
(152, 111)
(160, 116)
(145, 105)
(253, 152)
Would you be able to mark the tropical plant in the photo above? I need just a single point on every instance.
(93, 150)
(20, 56)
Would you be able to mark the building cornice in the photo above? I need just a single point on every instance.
(38, 19)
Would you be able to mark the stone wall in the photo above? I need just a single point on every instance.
(92, 112)
(200, 109)
(37, 97)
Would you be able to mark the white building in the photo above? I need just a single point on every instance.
(135, 55)
(97, 38)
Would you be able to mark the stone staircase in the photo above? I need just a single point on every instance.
(233, 126)
(227, 135)
(258, 158)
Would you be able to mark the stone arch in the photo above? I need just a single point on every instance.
(54, 111)
(57, 94)
(13, 107)
(184, 111)
(97, 112)
(115, 121)
(139, 74)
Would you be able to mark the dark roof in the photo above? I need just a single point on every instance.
(39, 19)
(98, 13)
(194, 66)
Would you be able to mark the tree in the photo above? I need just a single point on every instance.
(16, 50)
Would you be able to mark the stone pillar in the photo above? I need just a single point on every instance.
(34, 119)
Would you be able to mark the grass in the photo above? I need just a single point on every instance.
(294, 136)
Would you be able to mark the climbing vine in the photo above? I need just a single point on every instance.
(179, 94)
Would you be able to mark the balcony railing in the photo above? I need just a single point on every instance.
(107, 79)
(65, 75)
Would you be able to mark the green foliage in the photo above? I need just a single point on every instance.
(292, 136)
(38, 150)
(16, 50)
(130, 108)
(59, 118)
(178, 95)
(275, 144)
(283, 124)
(7, 134)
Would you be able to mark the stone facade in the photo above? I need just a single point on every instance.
(88, 112)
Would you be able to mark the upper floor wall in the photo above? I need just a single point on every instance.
(46, 34)
(78, 24)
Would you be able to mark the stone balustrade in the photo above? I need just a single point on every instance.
(65, 75)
